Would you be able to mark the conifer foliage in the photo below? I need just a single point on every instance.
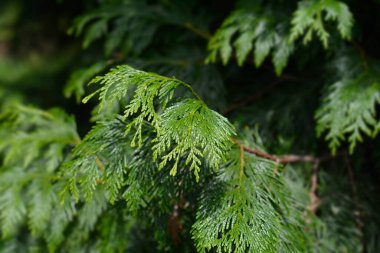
(191, 126)
(246, 199)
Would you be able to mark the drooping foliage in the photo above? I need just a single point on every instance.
(349, 107)
(259, 31)
(34, 145)
(182, 127)
(310, 16)
(189, 126)
(246, 209)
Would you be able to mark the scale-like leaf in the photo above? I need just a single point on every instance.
(184, 129)
(190, 129)
(246, 210)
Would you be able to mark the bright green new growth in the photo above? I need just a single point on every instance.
(247, 198)
(258, 31)
(310, 16)
(197, 132)
(246, 210)
(183, 129)
(348, 110)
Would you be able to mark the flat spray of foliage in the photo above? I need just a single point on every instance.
(160, 169)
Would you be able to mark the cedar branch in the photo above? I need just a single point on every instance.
(314, 199)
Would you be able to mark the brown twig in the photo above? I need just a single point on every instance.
(285, 159)
(175, 226)
(314, 199)
(100, 164)
(313, 196)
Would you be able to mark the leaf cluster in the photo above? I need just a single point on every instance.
(256, 29)
(183, 128)
(310, 16)
(348, 108)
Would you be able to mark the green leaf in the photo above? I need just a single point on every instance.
(12, 209)
(310, 16)
(262, 48)
(257, 29)
(348, 109)
(281, 55)
(95, 31)
(40, 206)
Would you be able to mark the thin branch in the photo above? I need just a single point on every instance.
(314, 199)
(175, 226)
(100, 164)
(203, 34)
(256, 95)
(242, 162)
(285, 159)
